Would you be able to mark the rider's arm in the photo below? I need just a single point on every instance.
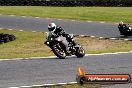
(60, 31)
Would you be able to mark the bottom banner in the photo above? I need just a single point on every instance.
(82, 78)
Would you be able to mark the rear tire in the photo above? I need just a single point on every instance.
(59, 53)
(80, 52)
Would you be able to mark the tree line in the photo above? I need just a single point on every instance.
(66, 2)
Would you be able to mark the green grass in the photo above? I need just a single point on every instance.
(73, 86)
(30, 44)
(109, 14)
(27, 44)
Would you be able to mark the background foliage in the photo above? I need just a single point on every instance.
(66, 2)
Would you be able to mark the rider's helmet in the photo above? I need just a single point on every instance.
(52, 27)
(121, 23)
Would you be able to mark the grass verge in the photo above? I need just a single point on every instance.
(94, 45)
(27, 44)
(109, 14)
(30, 44)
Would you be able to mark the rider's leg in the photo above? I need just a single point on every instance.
(69, 39)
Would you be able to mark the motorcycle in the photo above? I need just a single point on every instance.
(125, 30)
(59, 46)
(4, 38)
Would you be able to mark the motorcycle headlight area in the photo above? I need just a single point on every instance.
(130, 28)
(51, 39)
(47, 43)
(59, 39)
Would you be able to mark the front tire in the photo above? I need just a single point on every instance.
(58, 51)
(80, 52)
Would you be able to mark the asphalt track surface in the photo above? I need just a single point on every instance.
(53, 70)
(76, 27)
(98, 29)
(15, 73)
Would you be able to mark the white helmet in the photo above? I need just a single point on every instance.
(121, 22)
(52, 27)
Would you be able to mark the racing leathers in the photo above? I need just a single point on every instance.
(124, 28)
(59, 31)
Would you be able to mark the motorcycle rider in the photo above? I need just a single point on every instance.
(58, 31)
(122, 27)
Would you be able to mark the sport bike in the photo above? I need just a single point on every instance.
(62, 48)
(125, 30)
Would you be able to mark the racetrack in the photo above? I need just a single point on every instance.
(53, 70)
(76, 27)
(14, 73)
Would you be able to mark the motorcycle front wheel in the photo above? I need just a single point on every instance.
(58, 51)
(80, 52)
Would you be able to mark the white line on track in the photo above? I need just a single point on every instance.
(62, 83)
(34, 31)
(37, 85)
(108, 53)
(23, 16)
(126, 39)
(10, 29)
(49, 84)
(89, 21)
(73, 20)
(69, 56)
(92, 36)
(102, 22)
(37, 17)
(59, 19)
(48, 18)
(20, 30)
(43, 57)
(11, 15)
(44, 85)
(81, 35)
(24, 86)
(101, 37)
(72, 82)
(113, 38)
